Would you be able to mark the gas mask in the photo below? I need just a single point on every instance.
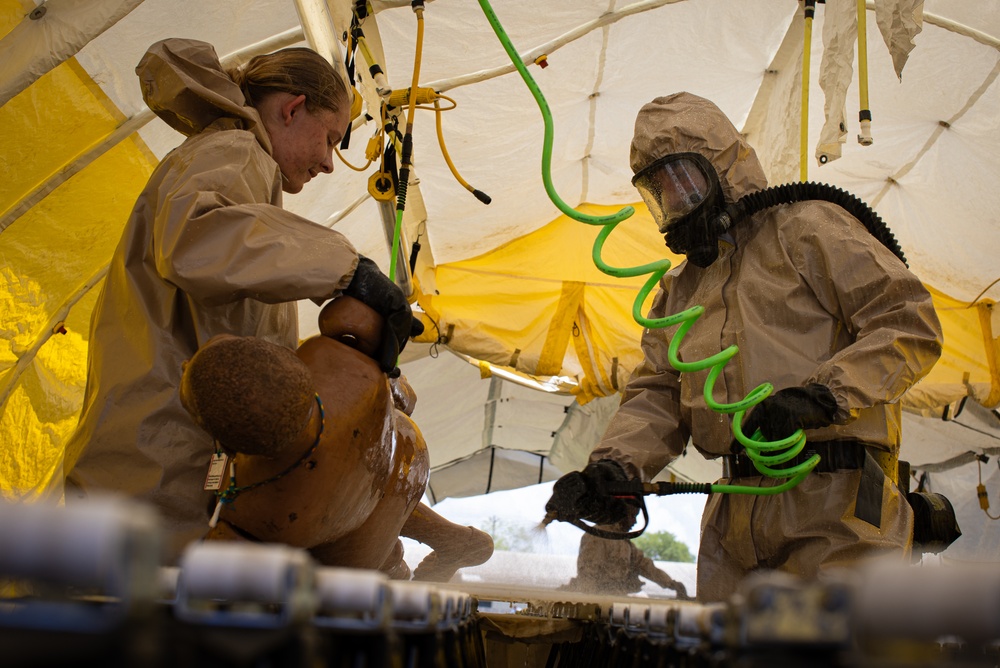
(683, 194)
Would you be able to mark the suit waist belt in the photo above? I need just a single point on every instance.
(838, 455)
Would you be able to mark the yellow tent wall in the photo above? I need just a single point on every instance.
(541, 306)
(50, 257)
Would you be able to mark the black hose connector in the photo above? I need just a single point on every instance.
(482, 197)
(404, 172)
(638, 488)
(668, 488)
(788, 193)
(404, 177)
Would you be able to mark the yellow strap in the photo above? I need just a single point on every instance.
(550, 360)
(991, 345)
(888, 462)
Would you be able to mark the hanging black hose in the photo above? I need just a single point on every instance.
(753, 203)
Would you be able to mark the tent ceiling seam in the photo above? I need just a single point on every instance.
(952, 26)
(46, 46)
(71, 169)
(348, 210)
(595, 93)
(954, 462)
(960, 29)
(529, 56)
(295, 35)
(59, 315)
(938, 131)
(130, 126)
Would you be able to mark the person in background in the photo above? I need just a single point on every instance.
(632, 567)
(207, 250)
(819, 308)
(305, 463)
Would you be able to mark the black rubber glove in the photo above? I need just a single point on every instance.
(374, 288)
(416, 328)
(583, 495)
(778, 416)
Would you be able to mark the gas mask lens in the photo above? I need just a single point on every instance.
(671, 187)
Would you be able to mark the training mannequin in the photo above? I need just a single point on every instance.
(325, 454)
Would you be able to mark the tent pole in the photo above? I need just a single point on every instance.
(808, 11)
(864, 114)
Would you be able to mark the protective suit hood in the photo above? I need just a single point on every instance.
(684, 122)
(184, 83)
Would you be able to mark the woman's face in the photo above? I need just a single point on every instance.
(302, 141)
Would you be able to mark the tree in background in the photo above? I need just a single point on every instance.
(509, 536)
(663, 546)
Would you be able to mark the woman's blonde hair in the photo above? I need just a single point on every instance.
(297, 71)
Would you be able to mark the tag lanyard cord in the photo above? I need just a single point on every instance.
(229, 494)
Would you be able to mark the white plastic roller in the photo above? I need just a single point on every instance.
(414, 605)
(617, 613)
(106, 547)
(658, 619)
(242, 584)
(98, 544)
(352, 599)
(697, 623)
(637, 616)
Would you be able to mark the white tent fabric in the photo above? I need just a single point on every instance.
(931, 173)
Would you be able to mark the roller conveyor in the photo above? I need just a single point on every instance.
(83, 585)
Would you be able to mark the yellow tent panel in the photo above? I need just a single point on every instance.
(53, 253)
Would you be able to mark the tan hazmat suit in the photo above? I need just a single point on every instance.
(208, 249)
(809, 296)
